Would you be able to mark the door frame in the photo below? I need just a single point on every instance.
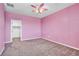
(11, 30)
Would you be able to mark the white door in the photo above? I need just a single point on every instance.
(16, 26)
(16, 31)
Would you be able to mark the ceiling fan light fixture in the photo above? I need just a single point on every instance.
(39, 9)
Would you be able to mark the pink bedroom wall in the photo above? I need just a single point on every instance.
(2, 30)
(63, 26)
(31, 26)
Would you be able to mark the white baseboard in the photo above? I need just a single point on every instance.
(8, 42)
(62, 44)
(24, 39)
(2, 49)
(45, 39)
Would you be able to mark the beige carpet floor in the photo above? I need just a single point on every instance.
(37, 47)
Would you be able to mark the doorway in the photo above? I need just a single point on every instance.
(16, 29)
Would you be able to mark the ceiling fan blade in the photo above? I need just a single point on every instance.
(45, 9)
(33, 6)
(41, 5)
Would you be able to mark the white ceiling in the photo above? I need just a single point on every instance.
(26, 9)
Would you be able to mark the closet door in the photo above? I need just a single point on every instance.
(16, 29)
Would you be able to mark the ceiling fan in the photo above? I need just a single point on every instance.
(39, 8)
